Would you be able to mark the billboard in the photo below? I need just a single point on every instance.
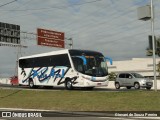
(9, 33)
(50, 38)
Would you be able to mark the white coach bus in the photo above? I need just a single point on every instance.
(69, 68)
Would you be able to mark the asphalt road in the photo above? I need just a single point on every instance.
(100, 89)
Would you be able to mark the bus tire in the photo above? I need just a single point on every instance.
(89, 88)
(31, 83)
(68, 84)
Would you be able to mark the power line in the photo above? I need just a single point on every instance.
(17, 7)
(69, 24)
(110, 20)
(120, 32)
(86, 16)
(54, 7)
(49, 9)
(65, 7)
(121, 39)
(8, 3)
(101, 24)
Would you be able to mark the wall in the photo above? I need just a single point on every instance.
(4, 81)
(143, 66)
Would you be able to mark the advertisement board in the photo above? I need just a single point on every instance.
(9, 33)
(50, 38)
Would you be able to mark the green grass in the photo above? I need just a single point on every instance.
(81, 101)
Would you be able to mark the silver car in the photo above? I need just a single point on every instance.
(132, 80)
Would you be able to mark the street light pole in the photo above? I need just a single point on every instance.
(153, 41)
(71, 43)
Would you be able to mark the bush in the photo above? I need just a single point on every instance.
(112, 76)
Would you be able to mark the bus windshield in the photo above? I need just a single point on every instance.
(89, 63)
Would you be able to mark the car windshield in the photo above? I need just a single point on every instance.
(90, 63)
(136, 75)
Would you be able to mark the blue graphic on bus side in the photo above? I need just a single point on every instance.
(42, 75)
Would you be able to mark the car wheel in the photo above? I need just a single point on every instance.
(68, 85)
(128, 87)
(136, 85)
(148, 88)
(117, 85)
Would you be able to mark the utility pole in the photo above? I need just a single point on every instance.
(70, 42)
(153, 41)
(147, 13)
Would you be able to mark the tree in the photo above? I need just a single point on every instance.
(112, 76)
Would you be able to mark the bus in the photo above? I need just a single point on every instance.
(69, 68)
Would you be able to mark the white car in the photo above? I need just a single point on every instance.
(135, 80)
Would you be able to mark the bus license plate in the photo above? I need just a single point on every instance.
(98, 83)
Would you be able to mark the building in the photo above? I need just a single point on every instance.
(144, 66)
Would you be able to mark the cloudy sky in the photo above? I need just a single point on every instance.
(109, 26)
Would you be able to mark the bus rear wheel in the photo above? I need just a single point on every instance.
(31, 84)
(68, 84)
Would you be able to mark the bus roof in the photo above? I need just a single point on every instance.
(46, 54)
(64, 51)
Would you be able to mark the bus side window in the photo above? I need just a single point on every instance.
(60, 60)
(20, 64)
(78, 64)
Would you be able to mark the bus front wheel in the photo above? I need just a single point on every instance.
(68, 84)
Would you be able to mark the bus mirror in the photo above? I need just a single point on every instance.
(83, 58)
(110, 60)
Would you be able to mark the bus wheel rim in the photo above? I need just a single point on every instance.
(31, 84)
(69, 84)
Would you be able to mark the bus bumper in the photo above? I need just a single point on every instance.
(96, 83)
